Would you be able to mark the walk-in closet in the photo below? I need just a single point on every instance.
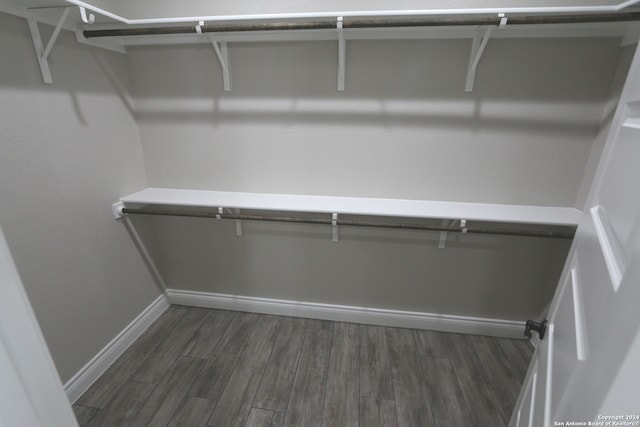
(319, 213)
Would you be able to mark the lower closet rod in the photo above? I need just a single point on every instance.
(566, 233)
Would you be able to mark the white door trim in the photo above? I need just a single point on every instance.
(32, 394)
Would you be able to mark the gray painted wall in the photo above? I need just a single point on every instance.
(404, 128)
(485, 276)
(603, 131)
(68, 151)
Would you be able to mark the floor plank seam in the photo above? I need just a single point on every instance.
(359, 335)
(422, 378)
(326, 375)
(261, 379)
(456, 373)
(487, 379)
(155, 348)
(244, 346)
(224, 331)
(95, 413)
(186, 394)
(235, 365)
(391, 378)
(274, 333)
(304, 340)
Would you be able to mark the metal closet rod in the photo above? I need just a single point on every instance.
(560, 234)
(370, 23)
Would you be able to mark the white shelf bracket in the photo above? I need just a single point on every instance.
(503, 20)
(238, 225)
(334, 226)
(463, 225)
(477, 49)
(42, 52)
(443, 239)
(199, 27)
(222, 52)
(220, 213)
(342, 54)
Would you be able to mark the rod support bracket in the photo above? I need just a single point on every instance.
(503, 20)
(238, 224)
(116, 209)
(334, 227)
(199, 27)
(463, 226)
(86, 18)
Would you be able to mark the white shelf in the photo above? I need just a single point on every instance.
(356, 206)
(633, 115)
(632, 122)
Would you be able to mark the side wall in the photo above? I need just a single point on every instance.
(69, 150)
(607, 116)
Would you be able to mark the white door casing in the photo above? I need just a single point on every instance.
(593, 335)
(31, 394)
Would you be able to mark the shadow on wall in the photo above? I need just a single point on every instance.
(502, 277)
(521, 83)
(76, 68)
(388, 114)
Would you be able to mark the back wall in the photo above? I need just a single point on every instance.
(403, 128)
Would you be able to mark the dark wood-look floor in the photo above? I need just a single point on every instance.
(200, 367)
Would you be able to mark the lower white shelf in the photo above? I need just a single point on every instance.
(355, 206)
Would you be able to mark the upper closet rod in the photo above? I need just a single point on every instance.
(565, 232)
(370, 23)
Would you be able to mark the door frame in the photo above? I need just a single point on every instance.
(31, 394)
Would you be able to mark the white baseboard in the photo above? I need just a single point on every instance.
(82, 380)
(534, 341)
(343, 313)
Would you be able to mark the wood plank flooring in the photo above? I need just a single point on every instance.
(197, 367)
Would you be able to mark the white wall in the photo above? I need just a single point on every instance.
(403, 128)
(510, 278)
(68, 151)
(624, 387)
(607, 116)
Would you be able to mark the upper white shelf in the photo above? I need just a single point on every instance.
(356, 206)
(168, 11)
